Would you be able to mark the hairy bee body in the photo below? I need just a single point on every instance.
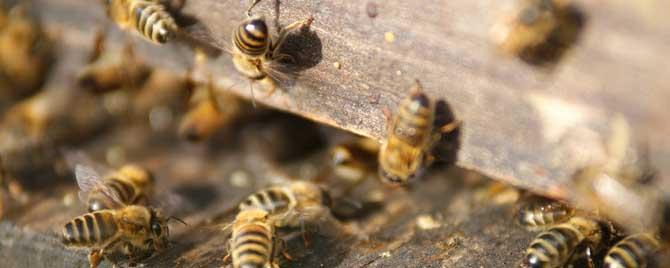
(149, 17)
(554, 247)
(355, 161)
(542, 212)
(95, 229)
(529, 27)
(131, 183)
(632, 252)
(252, 243)
(405, 153)
(288, 206)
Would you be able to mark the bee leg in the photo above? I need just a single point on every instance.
(276, 45)
(303, 232)
(252, 7)
(451, 126)
(94, 258)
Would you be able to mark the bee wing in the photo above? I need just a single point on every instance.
(88, 179)
(74, 158)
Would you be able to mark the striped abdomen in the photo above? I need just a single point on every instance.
(273, 200)
(251, 37)
(543, 213)
(632, 252)
(552, 248)
(152, 20)
(94, 229)
(98, 200)
(252, 245)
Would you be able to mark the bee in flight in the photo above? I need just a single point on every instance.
(149, 18)
(256, 54)
(253, 242)
(412, 135)
(134, 231)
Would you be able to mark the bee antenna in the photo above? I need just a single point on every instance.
(177, 219)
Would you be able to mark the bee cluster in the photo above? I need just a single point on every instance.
(127, 218)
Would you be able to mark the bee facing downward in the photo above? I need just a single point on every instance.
(256, 54)
(406, 152)
(149, 17)
(135, 231)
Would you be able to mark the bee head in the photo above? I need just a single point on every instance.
(393, 179)
(159, 230)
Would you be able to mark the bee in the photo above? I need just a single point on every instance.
(129, 185)
(132, 230)
(530, 26)
(538, 212)
(407, 150)
(256, 55)
(355, 161)
(111, 70)
(253, 242)
(290, 205)
(555, 246)
(25, 53)
(633, 251)
(150, 18)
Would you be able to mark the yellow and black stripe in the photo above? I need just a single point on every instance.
(127, 193)
(553, 247)
(252, 38)
(273, 200)
(541, 212)
(633, 251)
(90, 229)
(252, 245)
(152, 20)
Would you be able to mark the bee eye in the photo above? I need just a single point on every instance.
(156, 229)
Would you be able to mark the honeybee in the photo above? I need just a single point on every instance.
(112, 70)
(129, 185)
(407, 150)
(149, 18)
(554, 247)
(135, 231)
(256, 55)
(633, 251)
(290, 205)
(253, 242)
(538, 212)
(529, 26)
(355, 161)
(25, 53)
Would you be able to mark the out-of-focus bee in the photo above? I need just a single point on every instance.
(291, 205)
(32, 130)
(355, 161)
(129, 185)
(210, 109)
(407, 150)
(253, 242)
(538, 212)
(256, 55)
(538, 30)
(555, 246)
(25, 53)
(111, 70)
(633, 251)
(135, 231)
(149, 18)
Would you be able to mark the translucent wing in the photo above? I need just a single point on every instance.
(88, 180)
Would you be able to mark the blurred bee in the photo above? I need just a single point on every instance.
(129, 185)
(538, 212)
(355, 161)
(256, 55)
(253, 242)
(135, 231)
(25, 53)
(150, 18)
(290, 205)
(529, 26)
(112, 70)
(210, 110)
(407, 150)
(554, 247)
(633, 251)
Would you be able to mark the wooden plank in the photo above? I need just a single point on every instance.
(524, 125)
